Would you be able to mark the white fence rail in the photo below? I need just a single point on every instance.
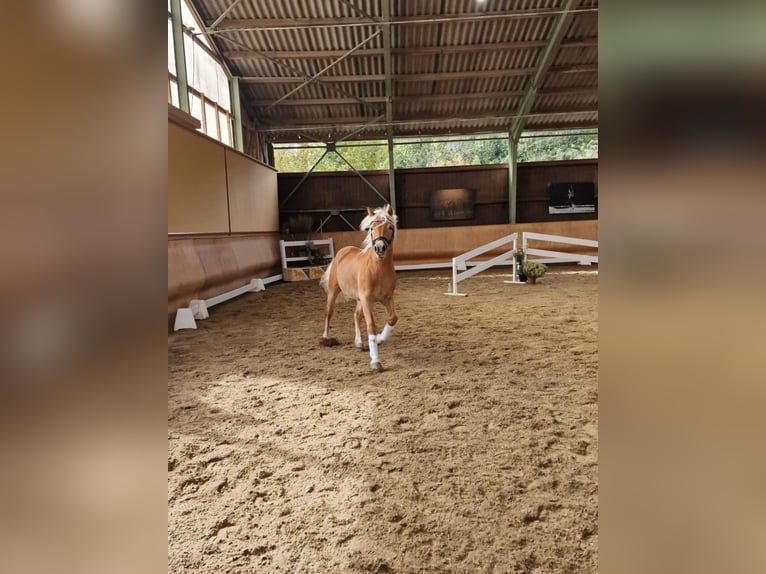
(547, 256)
(309, 242)
(461, 263)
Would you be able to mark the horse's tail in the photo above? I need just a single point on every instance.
(326, 277)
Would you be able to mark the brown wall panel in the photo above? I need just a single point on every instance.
(200, 267)
(532, 188)
(440, 244)
(343, 190)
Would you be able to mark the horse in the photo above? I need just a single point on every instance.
(366, 275)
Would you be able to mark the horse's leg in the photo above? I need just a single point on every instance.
(332, 294)
(388, 329)
(357, 318)
(371, 333)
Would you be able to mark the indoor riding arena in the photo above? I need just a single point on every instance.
(475, 448)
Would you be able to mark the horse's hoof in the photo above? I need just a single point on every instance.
(364, 348)
(376, 366)
(328, 341)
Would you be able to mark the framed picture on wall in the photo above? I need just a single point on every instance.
(452, 204)
(572, 197)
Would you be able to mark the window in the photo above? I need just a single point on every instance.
(209, 92)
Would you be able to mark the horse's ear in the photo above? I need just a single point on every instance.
(370, 211)
(390, 211)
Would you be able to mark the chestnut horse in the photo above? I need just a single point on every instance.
(366, 275)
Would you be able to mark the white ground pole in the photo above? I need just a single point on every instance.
(198, 308)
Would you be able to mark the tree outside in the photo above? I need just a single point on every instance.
(432, 152)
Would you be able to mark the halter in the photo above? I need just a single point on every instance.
(387, 242)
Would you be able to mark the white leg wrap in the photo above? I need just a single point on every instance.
(373, 347)
(388, 330)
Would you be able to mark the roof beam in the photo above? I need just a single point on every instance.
(261, 23)
(292, 136)
(445, 76)
(318, 102)
(415, 51)
(294, 23)
(223, 14)
(428, 98)
(351, 121)
(558, 29)
(323, 70)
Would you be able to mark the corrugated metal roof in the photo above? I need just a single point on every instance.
(457, 66)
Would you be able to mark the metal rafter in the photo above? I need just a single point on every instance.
(414, 51)
(273, 24)
(300, 75)
(323, 70)
(386, 5)
(559, 28)
(223, 14)
(431, 77)
(178, 50)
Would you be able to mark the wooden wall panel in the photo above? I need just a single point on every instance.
(414, 188)
(252, 194)
(440, 244)
(331, 190)
(339, 190)
(532, 188)
(197, 201)
(200, 267)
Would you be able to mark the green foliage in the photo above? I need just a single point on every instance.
(414, 153)
(314, 255)
(519, 256)
(532, 269)
(555, 148)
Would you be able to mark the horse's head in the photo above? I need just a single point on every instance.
(380, 225)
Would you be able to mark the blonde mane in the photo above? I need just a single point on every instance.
(379, 216)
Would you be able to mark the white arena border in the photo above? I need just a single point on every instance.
(305, 242)
(198, 308)
(185, 317)
(461, 262)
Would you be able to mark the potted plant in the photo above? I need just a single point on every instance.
(519, 255)
(314, 255)
(533, 270)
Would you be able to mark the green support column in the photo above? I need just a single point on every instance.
(512, 155)
(391, 173)
(239, 144)
(386, 9)
(178, 46)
